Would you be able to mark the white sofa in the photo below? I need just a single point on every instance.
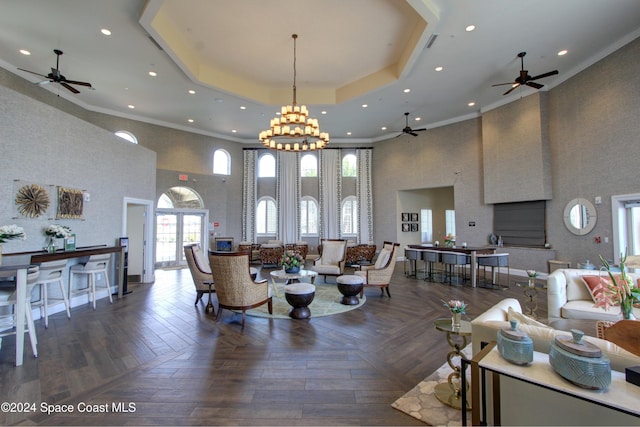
(485, 328)
(569, 298)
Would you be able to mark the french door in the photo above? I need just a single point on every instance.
(176, 228)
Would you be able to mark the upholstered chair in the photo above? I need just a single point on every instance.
(235, 288)
(271, 253)
(253, 248)
(200, 270)
(379, 274)
(332, 260)
(302, 248)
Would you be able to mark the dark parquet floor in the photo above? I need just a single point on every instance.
(152, 358)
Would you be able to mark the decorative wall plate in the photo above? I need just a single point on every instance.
(32, 200)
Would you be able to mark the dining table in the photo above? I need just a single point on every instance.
(19, 274)
(473, 253)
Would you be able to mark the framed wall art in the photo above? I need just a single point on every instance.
(406, 227)
(70, 203)
(414, 217)
(414, 226)
(405, 217)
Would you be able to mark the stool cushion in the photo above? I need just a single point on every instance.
(299, 288)
(349, 279)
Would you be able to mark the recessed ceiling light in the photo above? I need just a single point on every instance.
(562, 52)
(364, 105)
(348, 133)
(383, 128)
(242, 107)
(190, 120)
(407, 90)
(105, 31)
(470, 27)
(192, 92)
(153, 73)
(131, 106)
(233, 131)
(471, 104)
(417, 119)
(439, 68)
(323, 112)
(25, 52)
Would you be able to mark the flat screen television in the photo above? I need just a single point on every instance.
(224, 244)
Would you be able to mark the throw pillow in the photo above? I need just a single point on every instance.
(592, 282)
(523, 320)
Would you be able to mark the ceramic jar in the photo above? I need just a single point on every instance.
(514, 345)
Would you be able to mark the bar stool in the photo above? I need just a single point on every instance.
(97, 264)
(411, 255)
(494, 261)
(430, 258)
(51, 273)
(453, 262)
(8, 298)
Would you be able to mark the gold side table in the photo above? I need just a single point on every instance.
(450, 393)
(530, 290)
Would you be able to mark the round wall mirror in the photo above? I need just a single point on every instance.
(580, 216)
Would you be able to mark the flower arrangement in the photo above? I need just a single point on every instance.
(291, 259)
(532, 274)
(11, 232)
(456, 306)
(620, 289)
(449, 240)
(57, 231)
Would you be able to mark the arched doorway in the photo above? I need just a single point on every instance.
(180, 220)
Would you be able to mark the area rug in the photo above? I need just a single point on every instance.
(325, 303)
(421, 403)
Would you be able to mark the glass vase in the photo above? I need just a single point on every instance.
(51, 245)
(455, 319)
(626, 308)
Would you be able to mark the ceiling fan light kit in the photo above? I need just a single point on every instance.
(524, 78)
(300, 132)
(55, 76)
(407, 129)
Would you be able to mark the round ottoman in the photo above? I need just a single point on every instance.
(299, 296)
(350, 286)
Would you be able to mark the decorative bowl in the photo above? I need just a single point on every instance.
(514, 345)
(580, 362)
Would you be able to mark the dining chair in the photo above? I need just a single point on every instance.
(51, 273)
(92, 269)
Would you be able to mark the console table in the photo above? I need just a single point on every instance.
(519, 392)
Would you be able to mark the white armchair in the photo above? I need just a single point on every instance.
(333, 258)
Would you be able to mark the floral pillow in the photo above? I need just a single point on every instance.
(592, 282)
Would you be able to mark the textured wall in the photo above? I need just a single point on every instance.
(43, 145)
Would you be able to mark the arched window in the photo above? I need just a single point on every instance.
(308, 166)
(349, 216)
(349, 165)
(266, 217)
(308, 216)
(180, 198)
(267, 166)
(127, 135)
(221, 162)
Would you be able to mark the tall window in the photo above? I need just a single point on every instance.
(266, 217)
(308, 165)
(450, 221)
(308, 216)
(349, 165)
(426, 225)
(221, 162)
(349, 216)
(267, 166)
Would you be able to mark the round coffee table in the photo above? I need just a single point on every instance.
(286, 278)
(450, 393)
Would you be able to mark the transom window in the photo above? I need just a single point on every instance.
(266, 217)
(180, 198)
(349, 165)
(267, 166)
(309, 166)
(127, 135)
(349, 216)
(221, 162)
(308, 216)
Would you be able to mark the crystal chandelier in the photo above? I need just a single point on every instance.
(293, 130)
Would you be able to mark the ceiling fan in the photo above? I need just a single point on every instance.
(407, 129)
(524, 78)
(56, 77)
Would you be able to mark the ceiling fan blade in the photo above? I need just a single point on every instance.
(44, 82)
(412, 133)
(502, 84)
(33, 72)
(71, 88)
(509, 91)
(73, 82)
(535, 85)
(419, 130)
(550, 73)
